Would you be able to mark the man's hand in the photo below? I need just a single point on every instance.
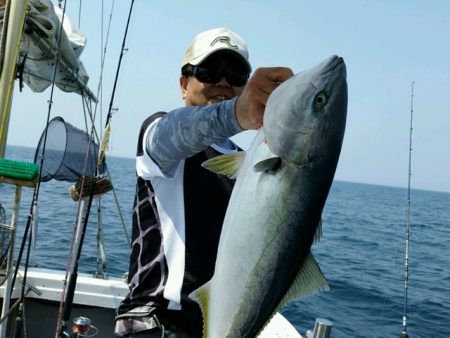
(251, 103)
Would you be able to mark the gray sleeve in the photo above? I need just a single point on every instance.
(186, 131)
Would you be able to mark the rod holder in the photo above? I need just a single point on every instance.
(322, 329)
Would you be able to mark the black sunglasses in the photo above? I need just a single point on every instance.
(214, 75)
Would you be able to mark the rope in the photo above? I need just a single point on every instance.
(101, 255)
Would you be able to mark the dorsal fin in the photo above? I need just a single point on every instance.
(318, 234)
(308, 281)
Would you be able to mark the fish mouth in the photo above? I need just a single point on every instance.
(338, 65)
(332, 68)
(334, 64)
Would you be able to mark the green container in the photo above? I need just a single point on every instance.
(26, 171)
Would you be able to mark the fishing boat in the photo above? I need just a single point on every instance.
(40, 47)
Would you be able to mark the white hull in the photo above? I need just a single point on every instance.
(95, 299)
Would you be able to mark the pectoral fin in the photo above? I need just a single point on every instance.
(269, 165)
(227, 164)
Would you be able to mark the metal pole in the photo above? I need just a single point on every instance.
(13, 40)
(10, 263)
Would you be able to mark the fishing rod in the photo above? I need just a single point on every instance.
(73, 274)
(404, 334)
(105, 141)
(19, 318)
(122, 52)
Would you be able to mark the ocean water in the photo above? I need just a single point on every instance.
(361, 251)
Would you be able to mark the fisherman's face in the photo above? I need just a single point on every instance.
(196, 93)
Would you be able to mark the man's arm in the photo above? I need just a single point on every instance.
(186, 131)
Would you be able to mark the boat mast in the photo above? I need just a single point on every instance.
(12, 40)
(404, 334)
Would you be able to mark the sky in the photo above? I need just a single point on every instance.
(386, 45)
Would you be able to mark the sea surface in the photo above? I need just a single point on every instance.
(361, 252)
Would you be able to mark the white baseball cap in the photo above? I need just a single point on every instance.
(213, 40)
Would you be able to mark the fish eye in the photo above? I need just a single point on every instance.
(321, 100)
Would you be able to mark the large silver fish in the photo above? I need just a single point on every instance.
(274, 213)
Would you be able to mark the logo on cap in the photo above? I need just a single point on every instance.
(224, 39)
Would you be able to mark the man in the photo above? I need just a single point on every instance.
(179, 205)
